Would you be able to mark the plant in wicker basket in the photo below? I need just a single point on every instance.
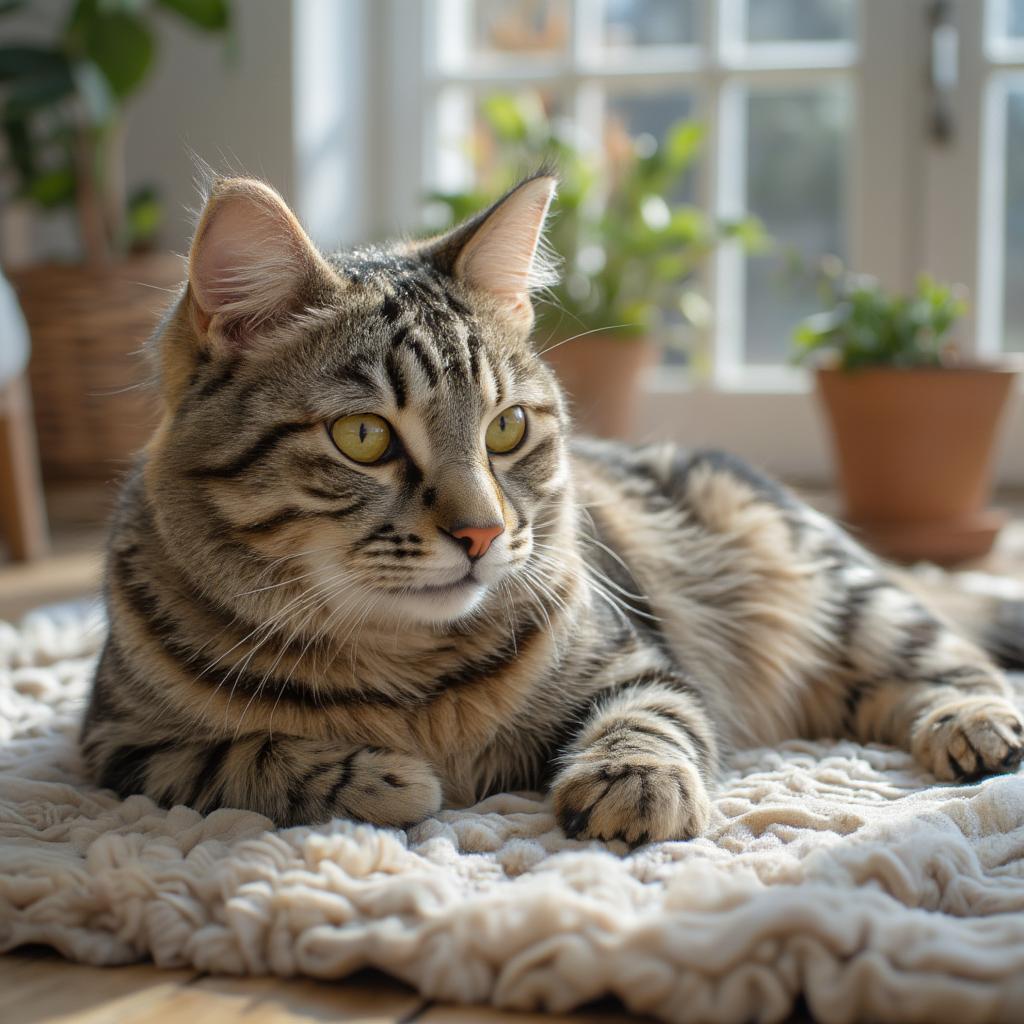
(61, 112)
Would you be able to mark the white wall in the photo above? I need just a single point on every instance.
(357, 110)
(332, 114)
(790, 438)
(234, 110)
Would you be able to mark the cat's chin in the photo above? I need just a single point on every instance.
(443, 604)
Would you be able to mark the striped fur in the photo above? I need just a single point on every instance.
(296, 633)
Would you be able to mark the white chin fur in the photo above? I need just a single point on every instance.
(439, 608)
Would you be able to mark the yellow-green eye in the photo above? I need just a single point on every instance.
(363, 438)
(507, 430)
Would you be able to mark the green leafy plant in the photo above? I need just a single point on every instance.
(868, 326)
(629, 251)
(61, 111)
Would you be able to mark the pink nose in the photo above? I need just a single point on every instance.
(479, 537)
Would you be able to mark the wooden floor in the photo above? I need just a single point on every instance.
(72, 570)
(39, 988)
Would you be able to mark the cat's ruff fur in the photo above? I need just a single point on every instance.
(297, 634)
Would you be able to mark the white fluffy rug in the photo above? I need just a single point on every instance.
(833, 870)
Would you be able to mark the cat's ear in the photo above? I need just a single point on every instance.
(250, 263)
(499, 251)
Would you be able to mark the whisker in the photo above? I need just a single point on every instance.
(583, 334)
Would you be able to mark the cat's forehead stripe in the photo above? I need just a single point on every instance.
(410, 340)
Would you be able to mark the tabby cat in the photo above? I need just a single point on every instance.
(363, 570)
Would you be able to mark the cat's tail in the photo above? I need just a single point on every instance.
(988, 609)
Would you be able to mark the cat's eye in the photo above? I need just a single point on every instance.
(507, 430)
(363, 438)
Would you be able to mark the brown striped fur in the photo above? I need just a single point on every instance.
(296, 633)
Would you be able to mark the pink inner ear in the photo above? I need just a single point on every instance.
(251, 262)
(501, 257)
(240, 244)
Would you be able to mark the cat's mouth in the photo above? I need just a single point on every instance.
(440, 603)
(443, 589)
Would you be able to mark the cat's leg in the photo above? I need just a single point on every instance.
(640, 765)
(290, 779)
(913, 682)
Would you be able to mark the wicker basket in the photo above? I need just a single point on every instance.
(92, 406)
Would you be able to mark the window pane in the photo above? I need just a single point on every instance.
(796, 185)
(786, 21)
(485, 140)
(629, 23)
(643, 121)
(1013, 283)
(520, 27)
(1006, 20)
(1015, 19)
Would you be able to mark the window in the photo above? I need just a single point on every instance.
(887, 132)
(774, 79)
(1001, 267)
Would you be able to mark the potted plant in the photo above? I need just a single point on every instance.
(629, 251)
(62, 107)
(914, 423)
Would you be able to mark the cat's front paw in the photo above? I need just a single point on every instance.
(970, 738)
(385, 787)
(638, 797)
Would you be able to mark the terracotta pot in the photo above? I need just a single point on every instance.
(915, 449)
(601, 373)
(87, 328)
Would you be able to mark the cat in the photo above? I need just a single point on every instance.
(362, 569)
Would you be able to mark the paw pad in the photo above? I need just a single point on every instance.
(970, 739)
(638, 799)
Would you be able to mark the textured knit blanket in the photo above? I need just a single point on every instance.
(832, 870)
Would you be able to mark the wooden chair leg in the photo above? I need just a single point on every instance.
(22, 511)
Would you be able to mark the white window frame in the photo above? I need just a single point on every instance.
(1000, 70)
(961, 198)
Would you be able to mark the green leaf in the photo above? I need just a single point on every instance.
(634, 317)
(871, 327)
(211, 15)
(52, 188)
(82, 14)
(682, 144)
(36, 91)
(505, 116)
(750, 233)
(123, 48)
(19, 62)
(19, 147)
(117, 40)
(688, 224)
(671, 267)
(145, 215)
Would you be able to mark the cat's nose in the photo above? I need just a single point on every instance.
(476, 539)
